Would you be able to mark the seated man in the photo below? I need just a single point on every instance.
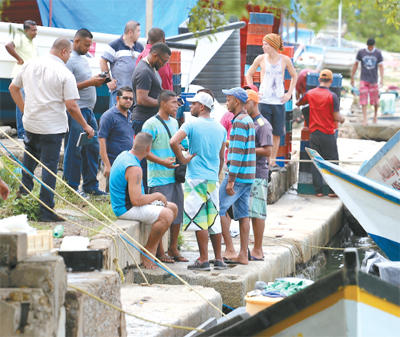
(128, 200)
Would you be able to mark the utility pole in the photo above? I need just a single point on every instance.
(340, 24)
(149, 15)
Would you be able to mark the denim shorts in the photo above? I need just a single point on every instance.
(239, 201)
(276, 115)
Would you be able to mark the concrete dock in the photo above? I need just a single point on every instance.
(297, 226)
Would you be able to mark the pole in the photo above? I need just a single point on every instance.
(340, 25)
(50, 12)
(149, 15)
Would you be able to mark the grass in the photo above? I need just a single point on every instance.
(28, 205)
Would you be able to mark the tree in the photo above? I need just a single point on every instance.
(316, 13)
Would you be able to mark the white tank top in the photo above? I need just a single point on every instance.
(272, 87)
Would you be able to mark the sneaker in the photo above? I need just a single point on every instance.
(51, 217)
(96, 192)
(205, 266)
(219, 265)
(82, 194)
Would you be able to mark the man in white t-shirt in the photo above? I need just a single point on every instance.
(50, 89)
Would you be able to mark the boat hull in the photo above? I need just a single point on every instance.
(375, 206)
(345, 303)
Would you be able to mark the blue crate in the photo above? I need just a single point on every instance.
(280, 161)
(186, 95)
(176, 79)
(312, 80)
(261, 18)
(289, 105)
(287, 75)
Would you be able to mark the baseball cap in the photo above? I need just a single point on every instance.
(203, 98)
(371, 42)
(238, 92)
(326, 74)
(252, 95)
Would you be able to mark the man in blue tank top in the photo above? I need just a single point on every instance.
(128, 200)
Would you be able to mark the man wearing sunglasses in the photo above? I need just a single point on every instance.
(146, 84)
(116, 133)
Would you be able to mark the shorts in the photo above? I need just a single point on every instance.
(174, 193)
(239, 201)
(258, 199)
(370, 89)
(276, 115)
(201, 206)
(147, 214)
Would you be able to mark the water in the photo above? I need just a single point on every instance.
(329, 261)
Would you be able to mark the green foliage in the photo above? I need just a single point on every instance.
(369, 22)
(26, 204)
(381, 16)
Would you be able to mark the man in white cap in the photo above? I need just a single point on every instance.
(201, 205)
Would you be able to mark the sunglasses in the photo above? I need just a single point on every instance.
(127, 98)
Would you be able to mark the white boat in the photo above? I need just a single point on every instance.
(375, 205)
(384, 166)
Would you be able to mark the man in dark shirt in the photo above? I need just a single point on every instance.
(324, 116)
(371, 59)
(146, 84)
(259, 188)
(116, 133)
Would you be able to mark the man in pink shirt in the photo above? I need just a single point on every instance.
(157, 35)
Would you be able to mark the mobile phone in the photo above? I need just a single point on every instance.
(84, 140)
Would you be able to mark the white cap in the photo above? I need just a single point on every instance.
(203, 98)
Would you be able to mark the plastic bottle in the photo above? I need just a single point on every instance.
(58, 231)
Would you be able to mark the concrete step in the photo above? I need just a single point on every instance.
(87, 317)
(136, 230)
(170, 304)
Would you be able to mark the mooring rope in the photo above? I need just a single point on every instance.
(142, 248)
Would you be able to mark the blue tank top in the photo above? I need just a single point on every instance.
(119, 194)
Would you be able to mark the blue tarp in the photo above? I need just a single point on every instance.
(110, 16)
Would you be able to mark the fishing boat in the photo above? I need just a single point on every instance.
(347, 302)
(375, 205)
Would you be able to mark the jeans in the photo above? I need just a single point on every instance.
(18, 118)
(45, 148)
(137, 127)
(113, 99)
(83, 159)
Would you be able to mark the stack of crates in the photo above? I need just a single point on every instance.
(305, 185)
(175, 63)
(285, 146)
(260, 24)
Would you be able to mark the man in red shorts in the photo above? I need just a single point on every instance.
(371, 59)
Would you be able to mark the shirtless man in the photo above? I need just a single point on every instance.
(272, 91)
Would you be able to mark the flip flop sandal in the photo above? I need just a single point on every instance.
(166, 259)
(180, 258)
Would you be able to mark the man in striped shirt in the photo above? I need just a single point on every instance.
(235, 189)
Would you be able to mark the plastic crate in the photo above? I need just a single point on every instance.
(288, 51)
(261, 18)
(254, 39)
(176, 79)
(259, 29)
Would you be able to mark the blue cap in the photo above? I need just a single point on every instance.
(238, 92)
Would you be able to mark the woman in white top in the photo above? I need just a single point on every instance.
(272, 91)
